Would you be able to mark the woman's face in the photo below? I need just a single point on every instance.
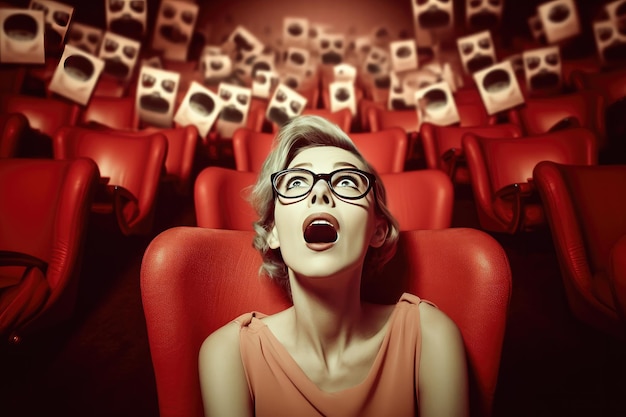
(320, 234)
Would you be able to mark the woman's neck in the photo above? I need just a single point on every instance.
(327, 311)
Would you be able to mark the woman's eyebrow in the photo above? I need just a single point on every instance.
(344, 165)
(341, 164)
(302, 164)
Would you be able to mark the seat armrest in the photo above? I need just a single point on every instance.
(517, 193)
(23, 262)
(565, 123)
(11, 258)
(126, 207)
(451, 158)
(119, 200)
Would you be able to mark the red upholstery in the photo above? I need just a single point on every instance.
(309, 89)
(501, 172)
(586, 214)
(181, 152)
(612, 84)
(11, 78)
(363, 106)
(420, 199)
(443, 146)
(470, 114)
(385, 150)
(220, 197)
(109, 87)
(132, 164)
(540, 115)
(12, 128)
(473, 114)
(381, 118)
(250, 148)
(114, 112)
(256, 116)
(342, 118)
(45, 115)
(194, 280)
(43, 219)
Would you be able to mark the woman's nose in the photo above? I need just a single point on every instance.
(321, 193)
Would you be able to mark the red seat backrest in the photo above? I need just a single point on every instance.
(44, 213)
(194, 280)
(135, 163)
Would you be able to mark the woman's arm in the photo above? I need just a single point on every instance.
(222, 377)
(443, 386)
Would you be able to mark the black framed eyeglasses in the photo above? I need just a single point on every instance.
(346, 183)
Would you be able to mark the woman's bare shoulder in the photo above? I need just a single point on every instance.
(222, 376)
(222, 339)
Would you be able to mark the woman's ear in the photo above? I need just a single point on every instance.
(272, 238)
(380, 232)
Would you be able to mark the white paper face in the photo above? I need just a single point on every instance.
(498, 87)
(174, 28)
(476, 51)
(404, 85)
(216, 67)
(483, 14)
(542, 69)
(377, 63)
(315, 31)
(284, 105)
(57, 18)
(560, 20)
(264, 83)
(403, 55)
(342, 96)
(234, 112)
(435, 104)
(433, 19)
(200, 107)
(22, 36)
(76, 74)
(156, 96)
(610, 41)
(127, 17)
(332, 48)
(85, 37)
(297, 60)
(120, 55)
(344, 72)
(296, 32)
(245, 49)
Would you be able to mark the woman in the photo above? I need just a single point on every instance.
(323, 224)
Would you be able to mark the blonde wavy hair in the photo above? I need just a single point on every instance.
(300, 133)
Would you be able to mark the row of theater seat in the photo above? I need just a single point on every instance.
(512, 185)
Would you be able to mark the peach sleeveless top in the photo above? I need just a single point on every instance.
(279, 387)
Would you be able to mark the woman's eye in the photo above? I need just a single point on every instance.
(346, 181)
(296, 182)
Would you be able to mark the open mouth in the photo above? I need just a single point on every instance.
(320, 230)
